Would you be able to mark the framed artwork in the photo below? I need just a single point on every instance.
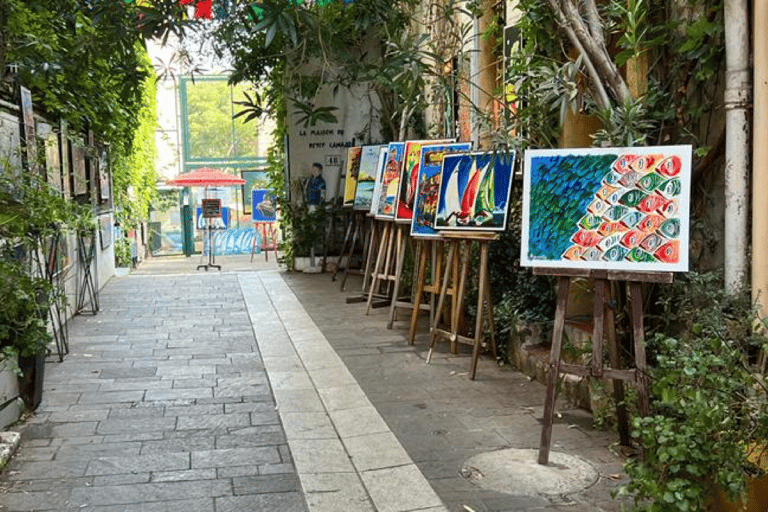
(366, 176)
(65, 170)
(409, 177)
(607, 208)
(428, 186)
(52, 160)
(103, 174)
(253, 179)
(78, 168)
(28, 118)
(350, 182)
(390, 180)
(263, 206)
(383, 151)
(105, 232)
(474, 191)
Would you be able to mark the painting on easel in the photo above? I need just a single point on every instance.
(409, 176)
(474, 191)
(383, 151)
(369, 157)
(607, 208)
(350, 182)
(430, 165)
(390, 180)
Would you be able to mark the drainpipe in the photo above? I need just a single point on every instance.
(760, 158)
(736, 102)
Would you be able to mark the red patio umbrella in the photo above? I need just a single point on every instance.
(206, 177)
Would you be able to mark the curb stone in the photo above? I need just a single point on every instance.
(9, 443)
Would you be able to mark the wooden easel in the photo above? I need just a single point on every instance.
(484, 303)
(355, 231)
(403, 237)
(433, 250)
(268, 239)
(391, 250)
(374, 234)
(603, 317)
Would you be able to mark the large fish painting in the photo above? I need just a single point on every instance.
(350, 182)
(366, 176)
(409, 177)
(607, 208)
(390, 180)
(474, 191)
(428, 186)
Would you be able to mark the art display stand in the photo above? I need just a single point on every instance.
(484, 304)
(87, 289)
(268, 239)
(432, 250)
(403, 237)
(355, 231)
(604, 321)
(391, 244)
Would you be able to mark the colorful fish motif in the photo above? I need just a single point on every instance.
(615, 213)
(630, 179)
(670, 166)
(669, 209)
(631, 219)
(605, 192)
(621, 164)
(670, 188)
(632, 198)
(650, 223)
(637, 255)
(589, 221)
(598, 207)
(632, 239)
(651, 242)
(645, 163)
(670, 228)
(610, 228)
(612, 178)
(586, 238)
(574, 252)
(650, 182)
(652, 203)
(615, 253)
(669, 252)
(609, 241)
(591, 254)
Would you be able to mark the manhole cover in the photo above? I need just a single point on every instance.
(517, 472)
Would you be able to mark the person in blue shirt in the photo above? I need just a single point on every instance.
(316, 185)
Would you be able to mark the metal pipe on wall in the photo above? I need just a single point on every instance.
(760, 157)
(737, 101)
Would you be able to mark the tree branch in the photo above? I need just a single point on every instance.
(595, 22)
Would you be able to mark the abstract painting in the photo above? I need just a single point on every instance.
(474, 191)
(430, 165)
(366, 176)
(350, 182)
(263, 206)
(607, 208)
(409, 176)
(390, 180)
(383, 150)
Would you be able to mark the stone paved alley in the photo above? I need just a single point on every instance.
(265, 391)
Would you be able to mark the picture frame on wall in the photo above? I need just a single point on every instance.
(621, 209)
(254, 179)
(79, 179)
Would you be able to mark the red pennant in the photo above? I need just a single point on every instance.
(203, 9)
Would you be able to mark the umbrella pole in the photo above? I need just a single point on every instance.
(211, 258)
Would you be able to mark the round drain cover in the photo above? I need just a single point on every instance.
(517, 472)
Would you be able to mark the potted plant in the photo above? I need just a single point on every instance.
(708, 425)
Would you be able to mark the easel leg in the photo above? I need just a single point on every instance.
(636, 306)
(377, 268)
(344, 246)
(459, 299)
(554, 369)
(481, 293)
(441, 300)
(421, 277)
(401, 242)
(372, 237)
(598, 329)
(618, 384)
(264, 241)
(489, 305)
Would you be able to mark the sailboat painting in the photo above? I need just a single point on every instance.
(366, 176)
(474, 191)
(427, 188)
(390, 180)
(607, 208)
(383, 150)
(350, 182)
(409, 177)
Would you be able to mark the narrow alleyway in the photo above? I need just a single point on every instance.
(251, 391)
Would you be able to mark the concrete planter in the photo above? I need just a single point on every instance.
(11, 405)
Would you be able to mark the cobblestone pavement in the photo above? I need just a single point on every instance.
(250, 391)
